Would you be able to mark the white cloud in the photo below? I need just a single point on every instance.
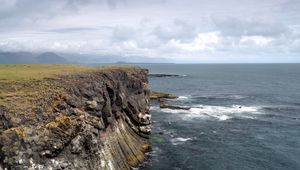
(203, 41)
(191, 30)
(256, 40)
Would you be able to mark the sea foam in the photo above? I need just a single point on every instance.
(220, 113)
(182, 97)
(179, 140)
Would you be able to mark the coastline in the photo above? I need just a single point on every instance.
(91, 119)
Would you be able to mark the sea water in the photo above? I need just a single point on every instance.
(242, 117)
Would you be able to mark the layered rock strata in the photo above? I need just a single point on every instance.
(92, 120)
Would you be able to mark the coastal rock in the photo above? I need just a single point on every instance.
(164, 105)
(154, 95)
(164, 75)
(91, 120)
(92, 105)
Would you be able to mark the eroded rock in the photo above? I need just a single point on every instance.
(95, 120)
(164, 105)
(161, 95)
(92, 105)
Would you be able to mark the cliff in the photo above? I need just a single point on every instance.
(97, 119)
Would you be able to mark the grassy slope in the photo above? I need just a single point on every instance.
(20, 84)
(37, 71)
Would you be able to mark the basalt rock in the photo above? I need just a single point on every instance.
(154, 95)
(164, 75)
(92, 120)
(164, 105)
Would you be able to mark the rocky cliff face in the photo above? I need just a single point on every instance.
(92, 120)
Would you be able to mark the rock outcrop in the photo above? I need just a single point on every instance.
(154, 95)
(164, 105)
(165, 75)
(91, 120)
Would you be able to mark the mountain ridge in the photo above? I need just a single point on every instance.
(31, 58)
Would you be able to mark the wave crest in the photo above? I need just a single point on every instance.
(220, 113)
(179, 140)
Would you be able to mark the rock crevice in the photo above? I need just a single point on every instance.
(92, 120)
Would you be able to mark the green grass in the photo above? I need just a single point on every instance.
(20, 72)
(22, 84)
(23, 72)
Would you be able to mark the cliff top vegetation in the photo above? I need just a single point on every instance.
(20, 84)
(23, 72)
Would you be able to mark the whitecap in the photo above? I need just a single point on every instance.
(154, 108)
(225, 109)
(175, 111)
(221, 113)
(182, 97)
(179, 140)
(223, 117)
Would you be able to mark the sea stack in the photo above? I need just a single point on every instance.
(87, 120)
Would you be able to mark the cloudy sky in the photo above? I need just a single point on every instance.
(189, 31)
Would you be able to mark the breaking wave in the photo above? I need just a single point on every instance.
(220, 113)
(179, 140)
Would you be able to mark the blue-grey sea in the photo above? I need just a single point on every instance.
(242, 117)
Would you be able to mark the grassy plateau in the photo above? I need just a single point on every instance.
(21, 85)
(20, 72)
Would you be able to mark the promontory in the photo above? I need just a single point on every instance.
(73, 117)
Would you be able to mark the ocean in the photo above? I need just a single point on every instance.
(242, 117)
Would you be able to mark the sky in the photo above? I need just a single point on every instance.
(179, 31)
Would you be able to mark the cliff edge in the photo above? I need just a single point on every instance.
(95, 119)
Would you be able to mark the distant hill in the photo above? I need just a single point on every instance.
(50, 58)
(63, 58)
(16, 58)
(30, 58)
